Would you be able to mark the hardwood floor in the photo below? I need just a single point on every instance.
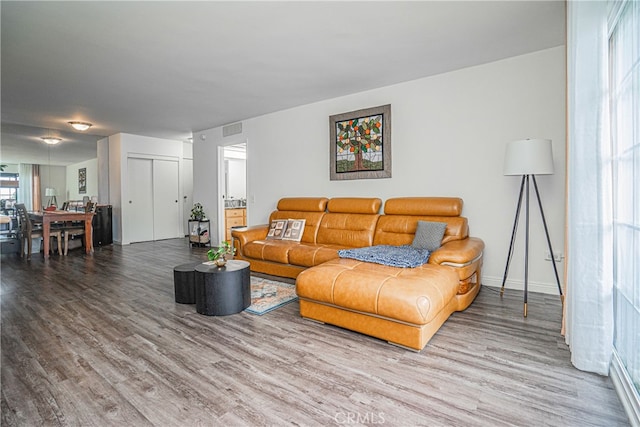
(98, 340)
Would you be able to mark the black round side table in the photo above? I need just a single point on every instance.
(184, 282)
(221, 291)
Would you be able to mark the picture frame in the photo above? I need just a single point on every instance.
(360, 144)
(82, 180)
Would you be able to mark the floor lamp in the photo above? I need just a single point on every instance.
(528, 157)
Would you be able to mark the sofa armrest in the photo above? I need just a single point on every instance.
(458, 253)
(242, 236)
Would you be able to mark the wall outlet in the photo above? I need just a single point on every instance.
(558, 256)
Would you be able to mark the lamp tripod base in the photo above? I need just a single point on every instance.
(525, 185)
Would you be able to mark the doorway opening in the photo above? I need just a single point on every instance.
(232, 181)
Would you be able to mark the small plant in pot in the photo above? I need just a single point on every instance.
(197, 212)
(218, 255)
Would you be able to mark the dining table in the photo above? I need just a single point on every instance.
(46, 218)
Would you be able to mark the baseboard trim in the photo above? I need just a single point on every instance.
(545, 288)
(626, 390)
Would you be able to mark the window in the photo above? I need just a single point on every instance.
(624, 59)
(8, 189)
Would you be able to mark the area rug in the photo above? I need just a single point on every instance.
(267, 295)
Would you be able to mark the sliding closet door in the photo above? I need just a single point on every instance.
(166, 206)
(138, 226)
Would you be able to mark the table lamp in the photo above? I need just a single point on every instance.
(51, 193)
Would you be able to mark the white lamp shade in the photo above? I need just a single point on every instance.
(529, 157)
(50, 192)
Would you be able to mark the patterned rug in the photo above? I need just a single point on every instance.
(267, 295)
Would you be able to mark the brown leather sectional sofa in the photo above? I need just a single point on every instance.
(405, 306)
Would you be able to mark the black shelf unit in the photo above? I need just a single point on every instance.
(199, 232)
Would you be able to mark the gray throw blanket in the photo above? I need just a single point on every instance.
(394, 256)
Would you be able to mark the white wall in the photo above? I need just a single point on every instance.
(72, 192)
(205, 173)
(449, 134)
(115, 183)
(187, 150)
(11, 168)
(103, 171)
(187, 184)
(53, 177)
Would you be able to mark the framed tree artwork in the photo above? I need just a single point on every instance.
(360, 144)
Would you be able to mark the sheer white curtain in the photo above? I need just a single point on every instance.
(25, 193)
(589, 296)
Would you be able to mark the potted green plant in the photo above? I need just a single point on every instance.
(197, 212)
(218, 255)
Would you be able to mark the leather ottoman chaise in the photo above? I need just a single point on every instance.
(404, 306)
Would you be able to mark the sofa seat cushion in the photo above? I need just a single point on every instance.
(291, 252)
(269, 250)
(410, 295)
(308, 255)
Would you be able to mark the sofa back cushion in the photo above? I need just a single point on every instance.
(349, 222)
(303, 204)
(311, 209)
(399, 223)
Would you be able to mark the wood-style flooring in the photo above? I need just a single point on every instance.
(97, 340)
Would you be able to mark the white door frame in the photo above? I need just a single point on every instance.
(221, 185)
(221, 191)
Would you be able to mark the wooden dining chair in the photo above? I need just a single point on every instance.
(28, 232)
(75, 230)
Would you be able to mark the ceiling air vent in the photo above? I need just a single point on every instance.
(233, 129)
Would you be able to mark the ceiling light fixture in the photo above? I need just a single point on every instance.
(51, 140)
(81, 126)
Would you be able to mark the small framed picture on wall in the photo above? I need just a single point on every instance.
(82, 180)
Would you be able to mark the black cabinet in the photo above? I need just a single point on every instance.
(102, 226)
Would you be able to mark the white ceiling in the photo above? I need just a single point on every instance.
(166, 69)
